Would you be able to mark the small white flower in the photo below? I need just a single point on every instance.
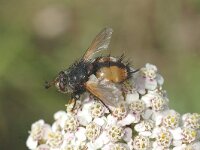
(186, 138)
(120, 112)
(55, 139)
(147, 114)
(163, 138)
(115, 133)
(148, 78)
(69, 136)
(145, 127)
(38, 134)
(97, 110)
(100, 141)
(155, 101)
(69, 123)
(111, 120)
(59, 117)
(84, 115)
(189, 135)
(167, 118)
(127, 134)
(191, 120)
(137, 106)
(31, 144)
(177, 134)
(132, 97)
(129, 119)
(171, 120)
(92, 131)
(80, 134)
(140, 143)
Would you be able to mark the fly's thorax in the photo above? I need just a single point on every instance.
(74, 78)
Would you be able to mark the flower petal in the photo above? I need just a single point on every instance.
(130, 118)
(80, 134)
(31, 144)
(128, 134)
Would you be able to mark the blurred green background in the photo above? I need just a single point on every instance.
(38, 38)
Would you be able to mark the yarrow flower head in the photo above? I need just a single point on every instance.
(189, 135)
(70, 124)
(148, 78)
(97, 110)
(55, 139)
(92, 131)
(163, 138)
(120, 112)
(145, 127)
(115, 133)
(171, 120)
(140, 120)
(137, 106)
(191, 120)
(38, 134)
(140, 143)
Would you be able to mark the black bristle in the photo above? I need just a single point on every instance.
(135, 71)
(121, 58)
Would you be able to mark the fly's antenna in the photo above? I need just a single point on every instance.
(49, 84)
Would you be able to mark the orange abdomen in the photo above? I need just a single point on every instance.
(112, 73)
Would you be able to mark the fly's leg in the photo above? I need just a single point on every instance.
(74, 105)
(97, 99)
(74, 97)
(71, 105)
(110, 111)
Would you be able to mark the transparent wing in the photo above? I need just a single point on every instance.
(101, 42)
(109, 94)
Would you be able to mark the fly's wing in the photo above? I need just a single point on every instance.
(101, 42)
(108, 94)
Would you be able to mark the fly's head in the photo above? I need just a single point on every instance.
(61, 82)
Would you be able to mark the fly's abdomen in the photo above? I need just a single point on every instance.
(111, 69)
(112, 73)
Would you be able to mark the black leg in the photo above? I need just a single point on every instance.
(75, 97)
(106, 106)
(74, 104)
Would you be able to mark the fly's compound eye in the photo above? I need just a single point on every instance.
(61, 86)
(62, 81)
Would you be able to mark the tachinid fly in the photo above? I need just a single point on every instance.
(75, 79)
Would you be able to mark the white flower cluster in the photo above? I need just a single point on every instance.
(142, 121)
